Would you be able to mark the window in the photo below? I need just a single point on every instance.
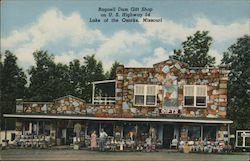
(195, 95)
(194, 132)
(145, 95)
(209, 133)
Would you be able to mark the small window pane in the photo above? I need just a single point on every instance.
(151, 90)
(189, 101)
(200, 101)
(139, 90)
(209, 133)
(194, 132)
(201, 91)
(139, 100)
(150, 100)
(189, 90)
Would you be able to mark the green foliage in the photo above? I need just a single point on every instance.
(195, 50)
(77, 78)
(42, 77)
(112, 73)
(237, 57)
(13, 81)
(93, 72)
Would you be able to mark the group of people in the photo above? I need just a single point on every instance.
(148, 145)
(102, 140)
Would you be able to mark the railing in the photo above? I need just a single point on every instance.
(104, 100)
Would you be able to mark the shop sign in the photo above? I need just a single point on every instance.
(245, 135)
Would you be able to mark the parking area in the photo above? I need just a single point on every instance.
(30, 154)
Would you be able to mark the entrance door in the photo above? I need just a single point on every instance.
(168, 135)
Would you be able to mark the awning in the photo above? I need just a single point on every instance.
(72, 117)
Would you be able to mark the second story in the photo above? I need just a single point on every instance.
(173, 88)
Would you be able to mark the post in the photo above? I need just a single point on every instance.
(5, 129)
(236, 139)
(202, 132)
(43, 128)
(105, 101)
(93, 94)
(100, 128)
(228, 131)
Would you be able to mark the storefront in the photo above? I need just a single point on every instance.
(60, 130)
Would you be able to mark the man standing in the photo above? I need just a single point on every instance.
(103, 137)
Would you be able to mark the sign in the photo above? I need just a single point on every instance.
(244, 134)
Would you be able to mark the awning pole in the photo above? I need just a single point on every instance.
(5, 129)
(93, 94)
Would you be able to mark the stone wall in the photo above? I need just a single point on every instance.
(172, 75)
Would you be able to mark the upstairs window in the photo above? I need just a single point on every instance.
(145, 95)
(195, 95)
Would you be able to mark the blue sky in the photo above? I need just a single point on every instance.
(63, 28)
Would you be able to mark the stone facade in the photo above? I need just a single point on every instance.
(170, 76)
(173, 73)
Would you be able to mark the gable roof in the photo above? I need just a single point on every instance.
(69, 96)
(173, 60)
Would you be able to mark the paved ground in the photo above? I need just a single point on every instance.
(28, 154)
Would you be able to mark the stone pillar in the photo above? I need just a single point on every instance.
(119, 88)
(223, 91)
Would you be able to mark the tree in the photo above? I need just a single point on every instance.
(195, 50)
(112, 73)
(60, 82)
(77, 78)
(42, 77)
(237, 57)
(13, 81)
(94, 72)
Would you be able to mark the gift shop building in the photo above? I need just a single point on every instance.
(168, 101)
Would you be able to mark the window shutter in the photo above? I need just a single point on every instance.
(139, 90)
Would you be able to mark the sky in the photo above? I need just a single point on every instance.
(62, 28)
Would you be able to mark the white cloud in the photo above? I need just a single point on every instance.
(221, 32)
(171, 32)
(218, 56)
(122, 45)
(122, 42)
(137, 48)
(15, 38)
(51, 27)
(160, 54)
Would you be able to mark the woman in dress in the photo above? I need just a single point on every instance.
(93, 140)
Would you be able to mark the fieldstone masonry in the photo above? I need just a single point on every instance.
(171, 73)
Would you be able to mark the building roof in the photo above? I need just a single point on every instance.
(68, 96)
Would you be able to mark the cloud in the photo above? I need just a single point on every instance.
(215, 53)
(151, 43)
(68, 56)
(122, 46)
(123, 42)
(171, 32)
(160, 54)
(51, 27)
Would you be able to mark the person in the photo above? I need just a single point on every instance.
(77, 130)
(103, 137)
(149, 143)
(93, 140)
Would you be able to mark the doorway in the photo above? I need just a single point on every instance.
(168, 135)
